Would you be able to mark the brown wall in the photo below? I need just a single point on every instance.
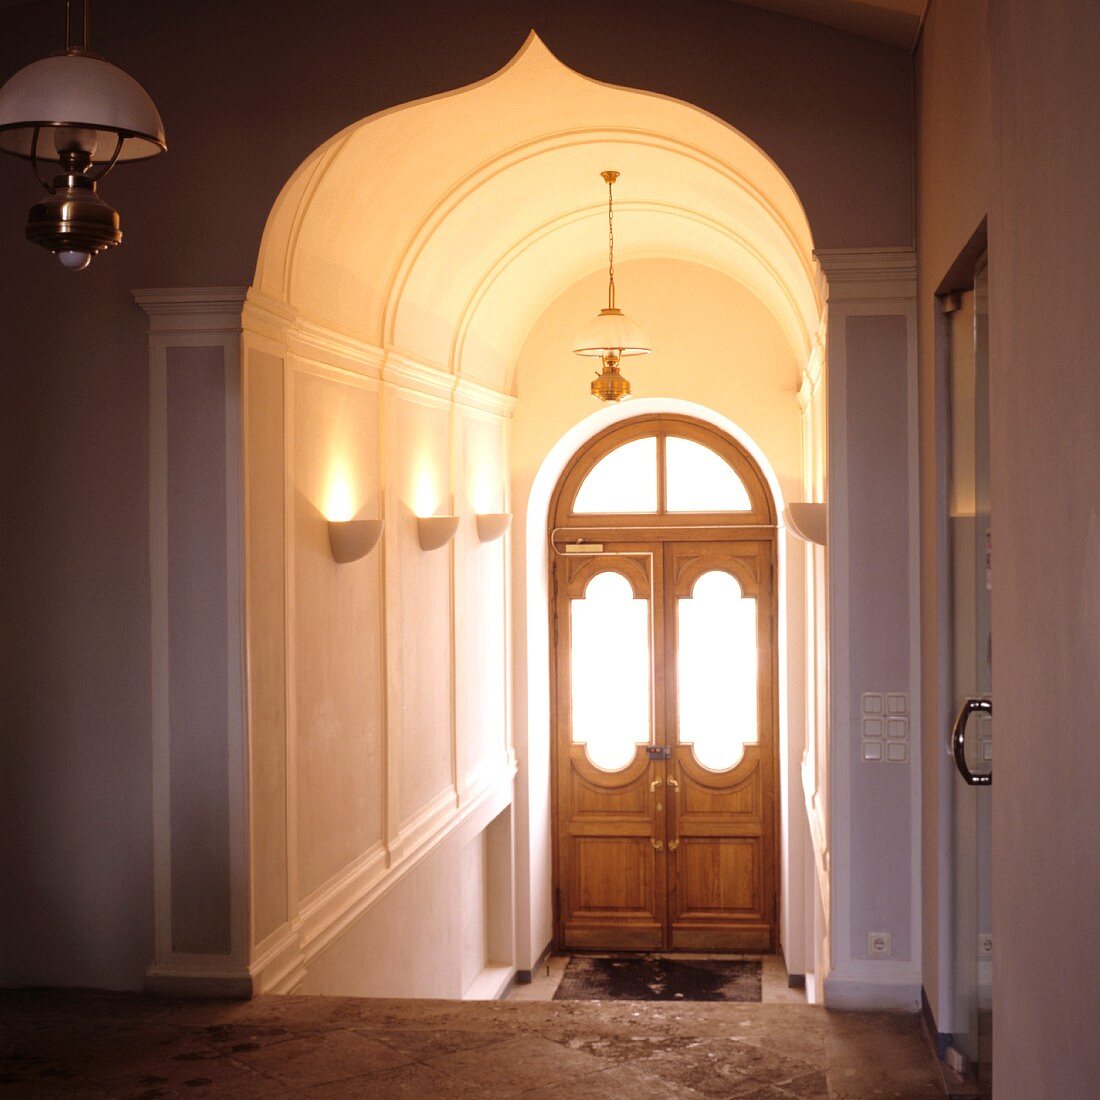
(247, 90)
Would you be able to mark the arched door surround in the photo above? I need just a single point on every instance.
(665, 747)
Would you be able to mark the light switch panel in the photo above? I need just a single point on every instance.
(872, 727)
(897, 702)
(873, 702)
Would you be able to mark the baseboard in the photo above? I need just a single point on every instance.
(940, 1040)
(229, 984)
(525, 977)
(869, 994)
(955, 1087)
(490, 985)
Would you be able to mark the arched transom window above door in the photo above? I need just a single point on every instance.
(663, 471)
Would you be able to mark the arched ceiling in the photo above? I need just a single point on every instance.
(440, 230)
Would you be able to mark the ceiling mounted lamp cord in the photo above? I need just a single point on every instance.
(611, 335)
(610, 177)
(97, 116)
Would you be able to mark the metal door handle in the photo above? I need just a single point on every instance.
(673, 784)
(655, 784)
(958, 741)
(674, 844)
(657, 844)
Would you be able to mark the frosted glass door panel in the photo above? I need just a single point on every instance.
(610, 671)
(698, 480)
(623, 481)
(716, 667)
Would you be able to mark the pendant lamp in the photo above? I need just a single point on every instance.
(611, 334)
(78, 115)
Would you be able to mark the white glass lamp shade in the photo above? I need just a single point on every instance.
(77, 99)
(611, 331)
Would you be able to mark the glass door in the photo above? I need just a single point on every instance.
(972, 665)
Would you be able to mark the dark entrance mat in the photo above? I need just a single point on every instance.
(651, 978)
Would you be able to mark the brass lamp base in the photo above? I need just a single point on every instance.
(610, 385)
(73, 219)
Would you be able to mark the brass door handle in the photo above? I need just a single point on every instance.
(673, 783)
(656, 783)
(674, 844)
(657, 844)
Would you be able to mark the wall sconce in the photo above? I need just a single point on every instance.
(806, 521)
(491, 525)
(435, 531)
(353, 539)
(78, 115)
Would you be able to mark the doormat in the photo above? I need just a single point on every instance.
(653, 978)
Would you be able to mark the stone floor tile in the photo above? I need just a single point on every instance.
(621, 1082)
(423, 1044)
(322, 1057)
(517, 1065)
(76, 1044)
(721, 1067)
(409, 1082)
(814, 1086)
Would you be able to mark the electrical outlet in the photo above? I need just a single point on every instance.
(985, 945)
(878, 945)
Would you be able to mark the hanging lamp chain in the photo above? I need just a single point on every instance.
(69, 27)
(610, 177)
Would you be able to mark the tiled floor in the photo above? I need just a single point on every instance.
(97, 1044)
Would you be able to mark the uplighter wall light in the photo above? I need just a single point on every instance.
(807, 521)
(352, 539)
(76, 113)
(611, 334)
(435, 531)
(491, 525)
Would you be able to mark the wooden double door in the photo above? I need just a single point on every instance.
(665, 749)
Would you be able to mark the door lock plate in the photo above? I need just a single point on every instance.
(659, 752)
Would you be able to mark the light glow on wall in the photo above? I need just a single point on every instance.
(340, 497)
(426, 494)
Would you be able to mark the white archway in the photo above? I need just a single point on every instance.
(401, 271)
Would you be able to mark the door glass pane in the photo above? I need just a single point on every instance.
(610, 671)
(623, 481)
(698, 480)
(969, 529)
(716, 671)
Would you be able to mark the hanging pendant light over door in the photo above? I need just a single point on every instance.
(611, 334)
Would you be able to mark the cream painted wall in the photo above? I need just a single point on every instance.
(379, 688)
(714, 343)
(335, 660)
(717, 346)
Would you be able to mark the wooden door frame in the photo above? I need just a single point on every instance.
(759, 524)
